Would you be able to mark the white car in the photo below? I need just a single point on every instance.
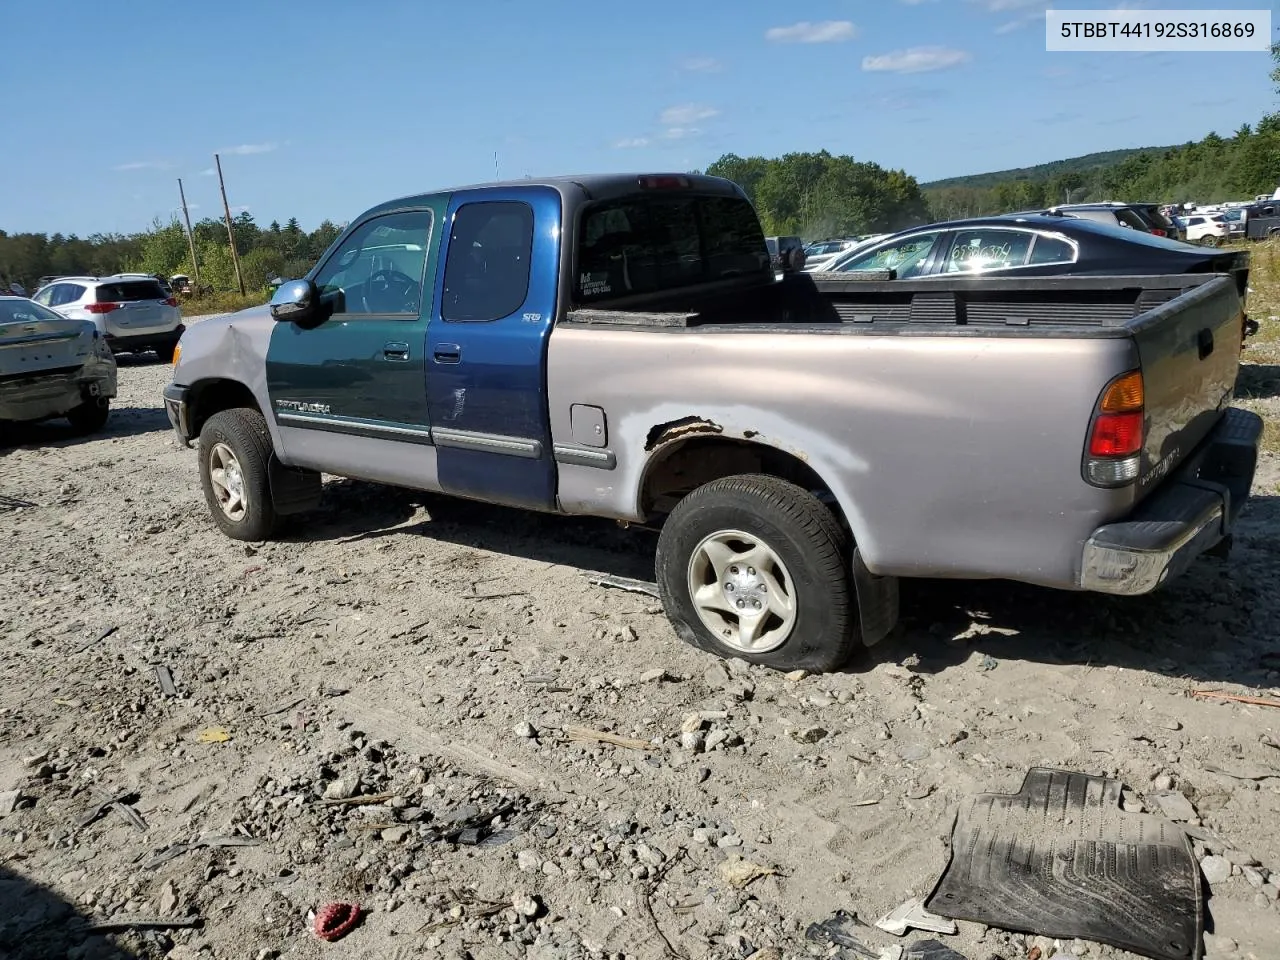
(829, 261)
(133, 312)
(1211, 229)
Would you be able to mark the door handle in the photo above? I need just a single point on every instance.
(448, 353)
(395, 351)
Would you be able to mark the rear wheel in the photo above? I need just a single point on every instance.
(235, 449)
(755, 567)
(165, 351)
(90, 416)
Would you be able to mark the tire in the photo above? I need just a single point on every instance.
(236, 447)
(165, 351)
(798, 532)
(90, 416)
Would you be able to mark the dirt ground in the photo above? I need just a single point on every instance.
(439, 656)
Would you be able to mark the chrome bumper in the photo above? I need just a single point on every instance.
(1190, 514)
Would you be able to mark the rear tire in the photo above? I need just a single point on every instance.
(90, 416)
(772, 550)
(165, 351)
(235, 449)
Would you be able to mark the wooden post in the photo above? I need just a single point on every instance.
(191, 240)
(231, 235)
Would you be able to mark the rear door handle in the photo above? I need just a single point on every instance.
(448, 353)
(395, 351)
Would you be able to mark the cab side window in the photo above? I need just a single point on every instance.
(977, 251)
(377, 270)
(486, 272)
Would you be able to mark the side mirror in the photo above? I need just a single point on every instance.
(294, 301)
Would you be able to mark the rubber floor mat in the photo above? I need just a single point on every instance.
(1060, 859)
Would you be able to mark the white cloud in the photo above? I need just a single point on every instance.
(246, 149)
(209, 172)
(144, 165)
(631, 143)
(916, 60)
(680, 133)
(686, 114)
(701, 65)
(827, 31)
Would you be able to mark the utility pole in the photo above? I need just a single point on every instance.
(231, 235)
(191, 240)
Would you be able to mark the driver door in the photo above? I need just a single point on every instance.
(349, 394)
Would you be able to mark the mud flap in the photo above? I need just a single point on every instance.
(877, 601)
(293, 490)
(1060, 859)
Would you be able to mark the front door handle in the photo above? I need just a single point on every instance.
(448, 353)
(395, 351)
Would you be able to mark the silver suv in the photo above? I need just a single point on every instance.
(133, 312)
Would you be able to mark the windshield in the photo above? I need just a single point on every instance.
(25, 311)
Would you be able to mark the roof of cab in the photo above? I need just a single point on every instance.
(594, 186)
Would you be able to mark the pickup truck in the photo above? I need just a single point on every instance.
(619, 346)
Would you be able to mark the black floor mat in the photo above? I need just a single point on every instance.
(1060, 859)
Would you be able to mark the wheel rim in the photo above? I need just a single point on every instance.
(742, 591)
(228, 482)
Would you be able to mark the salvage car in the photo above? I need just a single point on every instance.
(619, 346)
(1034, 246)
(52, 366)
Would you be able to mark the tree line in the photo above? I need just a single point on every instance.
(265, 252)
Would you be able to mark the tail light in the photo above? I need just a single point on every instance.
(1116, 435)
(170, 301)
(1156, 231)
(102, 307)
(666, 182)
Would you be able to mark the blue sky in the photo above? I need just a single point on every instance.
(323, 108)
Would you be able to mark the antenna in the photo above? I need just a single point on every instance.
(495, 165)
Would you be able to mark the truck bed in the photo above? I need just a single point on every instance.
(953, 415)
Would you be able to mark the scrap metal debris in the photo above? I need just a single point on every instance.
(120, 804)
(838, 931)
(624, 583)
(1235, 698)
(164, 676)
(145, 923)
(913, 916)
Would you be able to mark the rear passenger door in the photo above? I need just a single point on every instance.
(496, 301)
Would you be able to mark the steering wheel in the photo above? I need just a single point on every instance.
(392, 292)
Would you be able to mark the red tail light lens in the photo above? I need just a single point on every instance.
(1158, 232)
(102, 307)
(1116, 435)
(170, 301)
(667, 182)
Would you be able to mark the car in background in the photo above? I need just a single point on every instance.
(1234, 216)
(821, 262)
(786, 254)
(53, 366)
(1036, 246)
(132, 312)
(1211, 229)
(1147, 217)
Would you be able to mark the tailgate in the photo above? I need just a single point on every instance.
(1189, 349)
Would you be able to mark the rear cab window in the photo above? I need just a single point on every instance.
(648, 245)
(130, 291)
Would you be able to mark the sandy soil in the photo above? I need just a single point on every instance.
(439, 655)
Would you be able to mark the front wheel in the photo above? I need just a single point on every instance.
(235, 449)
(755, 567)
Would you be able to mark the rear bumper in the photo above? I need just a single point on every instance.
(1191, 513)
(53, 393)
(177, 409)
(144, 341)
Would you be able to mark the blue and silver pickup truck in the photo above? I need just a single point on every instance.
(619, 346)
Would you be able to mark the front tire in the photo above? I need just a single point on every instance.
(235, 448)
(755, 567)
(90, 416)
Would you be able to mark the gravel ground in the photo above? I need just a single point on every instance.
(443, 659)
